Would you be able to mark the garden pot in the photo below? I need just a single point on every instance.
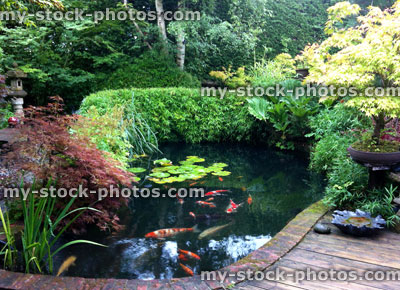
(302, 73)
(374, 159)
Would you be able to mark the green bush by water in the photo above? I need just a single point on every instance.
(335, 129)
(182, 114)
(150, 70)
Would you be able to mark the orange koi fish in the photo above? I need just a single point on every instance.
(188, 254)
(180, 200)
(192, 214)
(215, 192)
(186, 269)
(210, 199)
(193, 184)
(166, 233)
(204, 203)
(220, 179)
(249, 199)
(182, 258)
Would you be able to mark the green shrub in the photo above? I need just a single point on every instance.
(335, 130)
(107, 131)
(150, 70)
(5, 113)
(182, 114)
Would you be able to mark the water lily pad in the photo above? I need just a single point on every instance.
(137, 179)
(221, 165)
(137, 170)
(221, 173)
(163, 162)
(160, 169)
(160, 174)
(195, 159)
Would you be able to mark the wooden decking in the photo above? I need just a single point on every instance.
(341, 253)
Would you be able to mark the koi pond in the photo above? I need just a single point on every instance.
(268, 188)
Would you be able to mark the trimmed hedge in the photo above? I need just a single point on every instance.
(181, 114)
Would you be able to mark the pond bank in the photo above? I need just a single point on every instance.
(260, 259)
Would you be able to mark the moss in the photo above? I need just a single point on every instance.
(384, 146)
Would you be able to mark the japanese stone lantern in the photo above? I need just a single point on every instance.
(16, 91)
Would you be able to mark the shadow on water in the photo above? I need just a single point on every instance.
(280, 186)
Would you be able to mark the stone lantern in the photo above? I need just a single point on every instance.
(16, 91)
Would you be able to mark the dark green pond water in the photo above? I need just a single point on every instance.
(279, 183)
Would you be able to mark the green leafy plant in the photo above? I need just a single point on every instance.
(8, 250)
(231, 79)
(180, 114)
(352, 54)
(138, 132)
(42, 229)
(107, 131)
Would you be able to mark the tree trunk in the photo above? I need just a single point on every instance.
(161, 20)
(180, 57)
(379, 126)
(125, 2)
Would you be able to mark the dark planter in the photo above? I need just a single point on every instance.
(302, 73)
(373, 158)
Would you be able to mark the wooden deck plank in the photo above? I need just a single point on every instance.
(340, 264)
(257, 285)
(338, 237)
(351, 253)
(351, 250)
(292, 266)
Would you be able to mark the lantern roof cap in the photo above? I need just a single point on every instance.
(16, 72)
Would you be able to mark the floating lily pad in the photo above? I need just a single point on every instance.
(160, 174)
(222, 165)
(163, 162)
(221, 173)
(195, 159)
(137, 179)
(137, 170)
(160, 169)
(155, 180)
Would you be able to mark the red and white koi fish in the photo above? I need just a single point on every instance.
(233, 207)
(204, 203)
(192, 214)
(186, 269)
(188, 254)
(216, 192)
(166, 233)
(180, 200)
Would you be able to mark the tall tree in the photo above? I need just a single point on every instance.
(180, 58)
(161, 19)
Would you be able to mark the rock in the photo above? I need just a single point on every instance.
(322, 229)
(397, 201)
